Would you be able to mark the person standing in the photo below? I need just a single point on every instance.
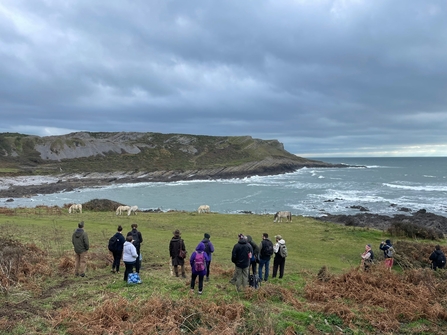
(367, 257)
(137, 239)
(198, 261)
(130, 256)
(437, 258)
(280, 251)
(209, 249)
(254, 256)
(175, 245)
(81, 246)
(117, 249)
(266, 251)
(240, 256)
(388, 253)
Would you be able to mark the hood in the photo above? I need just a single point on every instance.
(78, 232)
(249, 238)
(281, 241)
(242, 241)
(200, 247)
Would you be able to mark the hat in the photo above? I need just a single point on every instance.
(207, 235)
(177, 232)
(279, 237)
(241, 236)
(387, 241)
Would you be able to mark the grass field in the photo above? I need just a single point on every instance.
(47, 298)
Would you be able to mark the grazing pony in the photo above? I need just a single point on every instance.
(203, 209)
(121, 209)
(284, 214)
(75, 207)
(131, 210)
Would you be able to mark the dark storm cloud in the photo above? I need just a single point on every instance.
(345, 77)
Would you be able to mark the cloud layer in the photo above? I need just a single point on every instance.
(326, 78)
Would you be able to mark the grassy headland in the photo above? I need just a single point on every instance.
(322, 290)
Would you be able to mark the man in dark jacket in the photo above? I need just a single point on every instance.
(81, 246)
(240, 256)
(175, 245)
(265, 253)
(437, 258)
(137, 240)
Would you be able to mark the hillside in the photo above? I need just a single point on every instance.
(189, 155)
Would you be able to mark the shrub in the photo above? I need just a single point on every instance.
(412, 230)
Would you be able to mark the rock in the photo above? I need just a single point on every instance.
(10, 200)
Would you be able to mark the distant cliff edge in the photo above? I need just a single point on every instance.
(98, 158)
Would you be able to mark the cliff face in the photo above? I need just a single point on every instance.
(146, 154)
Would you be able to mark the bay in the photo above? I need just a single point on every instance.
(383, 186)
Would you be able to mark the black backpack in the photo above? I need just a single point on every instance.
(112, 243)
(441, 260)
(266, 248)
(135, 237)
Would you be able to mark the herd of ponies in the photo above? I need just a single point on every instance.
(202, 209)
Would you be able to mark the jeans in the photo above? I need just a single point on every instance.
(262, 263)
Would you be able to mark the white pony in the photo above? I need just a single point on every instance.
(131, 210)
(75, 207)
(203, 209)
(121, 209)
(284, 214)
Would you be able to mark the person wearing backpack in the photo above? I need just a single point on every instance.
(255, 255)
(280, 251)
(367, 257)
(388, 253)
(209, 249)
(265, 253)
(198, 261)
(437, 258)
(116, 243)
(137, 240)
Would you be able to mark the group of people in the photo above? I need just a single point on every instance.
(437, 257)
(125, 248)
(246, 254)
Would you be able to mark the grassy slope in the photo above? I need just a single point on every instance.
(311, 245)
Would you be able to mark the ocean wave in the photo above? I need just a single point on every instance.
(428, 188)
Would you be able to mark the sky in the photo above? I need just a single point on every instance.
(327, 78)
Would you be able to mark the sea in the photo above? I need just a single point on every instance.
(386, 185)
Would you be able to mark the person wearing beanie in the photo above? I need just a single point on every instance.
(175, 245)
(81, 246)
(209, 249)
(198, 261)
(241, 256)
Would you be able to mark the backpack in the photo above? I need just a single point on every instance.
(390, 252)
(133, 278)
(441, 260)
(254, 281)
(283, 250)
(199, 262)
(135, 237)
(267, 248)
(207, 247)
(112, 243)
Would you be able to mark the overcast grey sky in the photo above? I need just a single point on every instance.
(324, 77)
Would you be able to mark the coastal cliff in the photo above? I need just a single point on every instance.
(98, 158)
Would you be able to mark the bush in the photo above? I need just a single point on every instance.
(412, 230)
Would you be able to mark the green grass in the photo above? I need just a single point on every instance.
(311, 245)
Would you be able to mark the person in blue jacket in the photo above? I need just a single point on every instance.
(199, 255)
(209, 249)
